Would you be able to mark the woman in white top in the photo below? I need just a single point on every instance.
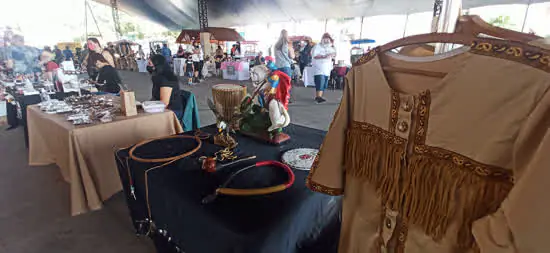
(322, 55)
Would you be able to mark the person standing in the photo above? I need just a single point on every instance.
(283, 58)
(68, 54)
(201, 61)
(196, 61)
(322, 55)
(167, 53)
(259, 60)
(233, 50)
(23, 57)
(218, 59)
(141, 54)
(58, 55)
(189, 70)
(305, 55)
(89, 62)
(180, 53)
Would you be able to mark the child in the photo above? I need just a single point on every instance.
(189, 70)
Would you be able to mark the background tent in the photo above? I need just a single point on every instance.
(177, 14)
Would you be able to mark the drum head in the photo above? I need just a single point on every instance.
(227, 86)
(300, 158)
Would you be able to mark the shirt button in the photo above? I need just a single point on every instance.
(407, 106)
(403, 126)
(388, 223)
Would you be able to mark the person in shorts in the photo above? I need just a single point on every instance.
(189, 70)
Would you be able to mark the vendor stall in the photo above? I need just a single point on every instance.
(19, 99)
(170, 202)
(125, 54)
(249, 50)
(84, 152)
(235, 70)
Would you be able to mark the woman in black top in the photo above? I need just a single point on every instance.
(107, 79)
(166, 87)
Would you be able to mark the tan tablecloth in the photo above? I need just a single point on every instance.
(84, 154)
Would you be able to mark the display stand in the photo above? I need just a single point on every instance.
(236, 70)
(179, 64)
(142, 66)
(307, 77)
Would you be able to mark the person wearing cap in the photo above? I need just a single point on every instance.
(322, 55)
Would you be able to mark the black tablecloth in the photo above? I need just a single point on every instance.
(25, 101)
(295, 220)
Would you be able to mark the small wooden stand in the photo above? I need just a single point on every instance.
(278, 139)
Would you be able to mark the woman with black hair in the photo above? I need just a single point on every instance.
(107, 78)
(166, 87)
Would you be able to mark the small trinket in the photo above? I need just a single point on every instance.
(210, 164)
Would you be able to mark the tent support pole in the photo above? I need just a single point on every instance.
(361, 31)
(525, 17)
(86, 19)
(406, 22)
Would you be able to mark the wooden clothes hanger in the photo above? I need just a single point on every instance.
(467, 29)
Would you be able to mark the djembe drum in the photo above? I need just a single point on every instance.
(227, 98)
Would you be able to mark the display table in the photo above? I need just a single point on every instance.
(179, 65)
(294, 220)
(235, 70)
(17, 111)
(84, 153)
(142, 66)
(308, 77)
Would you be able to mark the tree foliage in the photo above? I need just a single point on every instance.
(171, 34)
(502, 21)
(127, 28)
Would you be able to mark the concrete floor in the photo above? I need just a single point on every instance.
(34, 201)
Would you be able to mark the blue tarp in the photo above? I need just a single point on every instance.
(362, 41)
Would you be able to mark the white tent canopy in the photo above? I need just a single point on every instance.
(177, 14)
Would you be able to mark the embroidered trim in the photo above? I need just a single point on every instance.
(529, 55)
(422, 113)
(394, 113)
(374, 130)
(482, 170)
(367, 56)
(314, 186)
(510, 50)
(403, 231)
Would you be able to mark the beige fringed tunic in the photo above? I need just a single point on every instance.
(451, 165)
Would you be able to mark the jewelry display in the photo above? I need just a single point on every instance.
(54, 106)
(89, 108)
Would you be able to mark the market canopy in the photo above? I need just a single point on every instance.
(177, 14)
(216, 33)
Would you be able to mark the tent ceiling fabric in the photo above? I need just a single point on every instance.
(178, 14)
